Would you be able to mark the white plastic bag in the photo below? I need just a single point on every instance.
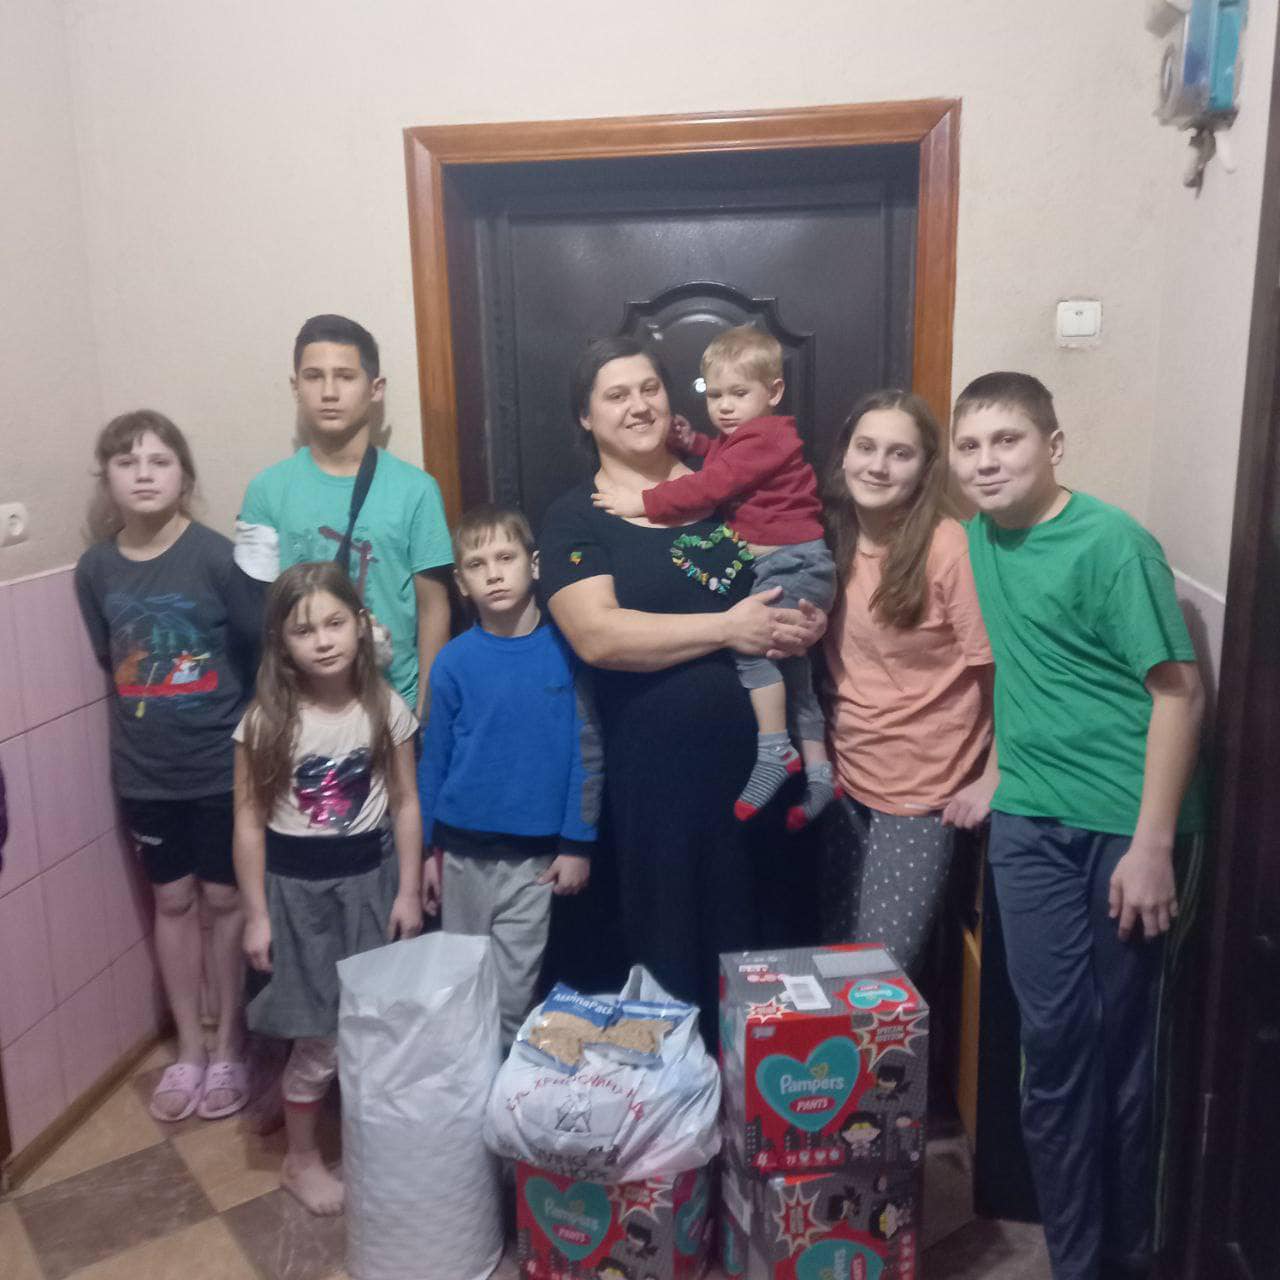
(417, 1052)
(610, 1120)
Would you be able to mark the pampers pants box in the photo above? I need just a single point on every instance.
(824, 1053)
(846, 1224)
(655, 1230)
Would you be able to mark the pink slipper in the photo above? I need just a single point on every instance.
(185, 1079)
(230, 1077)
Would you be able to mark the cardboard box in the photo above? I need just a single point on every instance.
(848, 1224)
(735, 1242)
(825, 1056)
(571, 1230)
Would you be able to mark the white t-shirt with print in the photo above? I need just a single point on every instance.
(333, 790)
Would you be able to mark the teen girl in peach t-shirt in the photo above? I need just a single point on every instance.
(907, 654)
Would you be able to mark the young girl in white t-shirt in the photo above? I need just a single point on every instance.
(323, 756)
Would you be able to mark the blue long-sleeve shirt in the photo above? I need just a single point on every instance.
(512, 758)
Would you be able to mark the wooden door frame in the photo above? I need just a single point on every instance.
(932, 124)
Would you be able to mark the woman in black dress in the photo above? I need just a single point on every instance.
(656, 610)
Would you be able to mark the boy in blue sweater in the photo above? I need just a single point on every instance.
(510, 778)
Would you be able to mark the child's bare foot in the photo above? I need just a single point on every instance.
(309, 1182)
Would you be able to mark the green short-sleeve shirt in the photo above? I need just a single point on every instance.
(1078, 610)
(299, 513)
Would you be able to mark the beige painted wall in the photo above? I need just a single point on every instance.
(47, 350)
(1210, 248)
(241, 167)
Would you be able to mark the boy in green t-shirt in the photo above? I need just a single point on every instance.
(299, 509)
(1097, 714)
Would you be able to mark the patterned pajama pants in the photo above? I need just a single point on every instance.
(887, 875)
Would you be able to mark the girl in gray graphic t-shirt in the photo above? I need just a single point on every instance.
(175, 623)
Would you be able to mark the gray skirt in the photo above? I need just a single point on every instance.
(314, 924)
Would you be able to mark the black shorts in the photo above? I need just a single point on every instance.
(177, 838)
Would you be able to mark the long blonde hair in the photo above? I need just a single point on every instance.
(900, 598)
(271, 728)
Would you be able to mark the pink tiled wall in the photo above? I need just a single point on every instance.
(78, 982)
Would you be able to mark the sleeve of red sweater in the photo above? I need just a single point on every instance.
(700, 444)
(739, 463)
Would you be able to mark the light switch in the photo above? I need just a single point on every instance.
(1079, 318)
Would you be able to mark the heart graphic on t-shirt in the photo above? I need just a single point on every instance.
(707, 562)
(332, 792)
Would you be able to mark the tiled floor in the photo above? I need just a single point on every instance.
(125, 1198)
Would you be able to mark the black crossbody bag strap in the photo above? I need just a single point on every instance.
(364, 481)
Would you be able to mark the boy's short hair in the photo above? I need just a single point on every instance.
(759, 353)
(1009, 391)
(479, 524)
(341, 330)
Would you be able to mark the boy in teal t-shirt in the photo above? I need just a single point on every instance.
(1097, 716)
(298, 510)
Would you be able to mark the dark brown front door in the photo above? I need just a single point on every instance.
(1235, 1209)
(478, 190)
(817, 246)
(1238, 1185)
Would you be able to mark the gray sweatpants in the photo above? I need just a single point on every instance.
(886, 875)
(804, 571)
(500, 897)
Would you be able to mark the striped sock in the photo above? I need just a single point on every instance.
(776, 760)
(819, 791)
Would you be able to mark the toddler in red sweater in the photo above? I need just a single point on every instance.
(755, 469)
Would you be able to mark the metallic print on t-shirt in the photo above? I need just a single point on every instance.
(332, 791)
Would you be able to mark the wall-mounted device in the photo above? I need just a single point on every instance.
(1200, 67)
(1199, 73)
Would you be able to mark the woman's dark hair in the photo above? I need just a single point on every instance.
(899, 600)
(595, 355)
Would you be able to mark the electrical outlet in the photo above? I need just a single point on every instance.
(13, 523)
